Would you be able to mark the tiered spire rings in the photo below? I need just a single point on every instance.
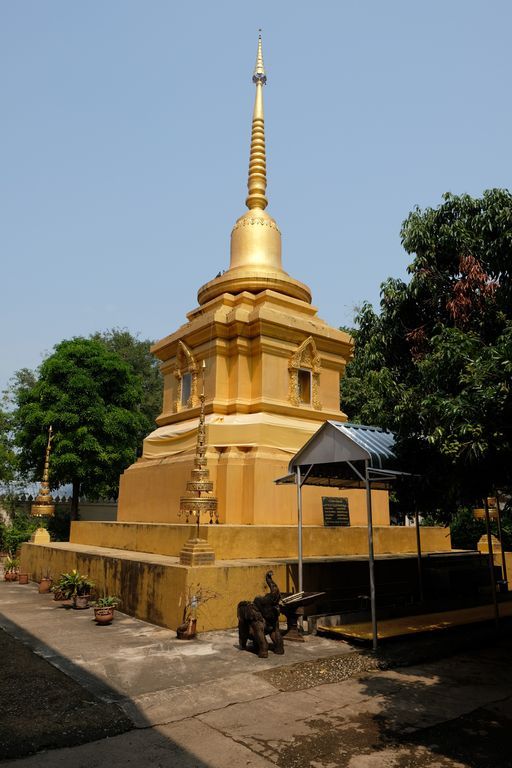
(257, 182)
(43, 505)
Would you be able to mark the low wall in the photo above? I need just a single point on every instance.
(155, 590)
(230, 542)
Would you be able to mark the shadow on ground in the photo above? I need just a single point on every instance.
(44, 709)
(415, 711)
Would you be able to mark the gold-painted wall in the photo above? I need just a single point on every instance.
(258, 542)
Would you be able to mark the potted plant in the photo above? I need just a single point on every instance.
(23, 578)
(11, 567)
(196, 597)
(74, 586)
(45, 583)
(104, 608)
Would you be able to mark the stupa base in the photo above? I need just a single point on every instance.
(40, 536)
(197, 552)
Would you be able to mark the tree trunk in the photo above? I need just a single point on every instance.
(75, 499)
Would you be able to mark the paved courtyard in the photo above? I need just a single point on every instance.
(206, 703)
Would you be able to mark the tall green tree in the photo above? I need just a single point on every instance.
(8, 458)
(435, 363)
(136, 352)
(92, 398)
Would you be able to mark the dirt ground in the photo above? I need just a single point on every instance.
(42, 708)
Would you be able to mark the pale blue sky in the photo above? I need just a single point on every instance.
(125, 136)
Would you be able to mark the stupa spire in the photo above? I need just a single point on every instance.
(255, 260)
(257, 182)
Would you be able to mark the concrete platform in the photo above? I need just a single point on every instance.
(140, 563)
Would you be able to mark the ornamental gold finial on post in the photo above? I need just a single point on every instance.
(44, 505)
(199, 496)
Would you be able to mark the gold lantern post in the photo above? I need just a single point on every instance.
(44, 506)
(199, 498)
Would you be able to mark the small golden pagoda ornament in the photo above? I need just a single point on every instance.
(44, 505)
(199, 498)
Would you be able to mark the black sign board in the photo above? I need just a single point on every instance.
(335, 511)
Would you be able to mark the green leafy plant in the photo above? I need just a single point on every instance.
(18, 530)
(74, 584)
(11, 564)
(107, 601)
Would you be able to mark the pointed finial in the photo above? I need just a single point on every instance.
(257, 182)
(259, 69)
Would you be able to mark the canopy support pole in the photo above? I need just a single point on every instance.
(300, 482)
(500, 534)
(299, 527)
(371, 557)
(418, 547)
(491, 565)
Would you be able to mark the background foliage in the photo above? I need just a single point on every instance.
(435, 364)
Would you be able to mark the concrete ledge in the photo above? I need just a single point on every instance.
(155, 588)
(250, 541)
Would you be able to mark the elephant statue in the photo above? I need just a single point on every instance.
(261, 618)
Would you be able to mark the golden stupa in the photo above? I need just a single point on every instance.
(273, 371)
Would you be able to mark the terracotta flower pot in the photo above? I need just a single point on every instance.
(187, 631)
(60, 595)
(104, 615)
(11, 576)
(81, 601)
(23, 578)
(45, 586)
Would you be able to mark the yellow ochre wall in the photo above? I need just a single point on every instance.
(154, 586)
(155, 590)
(244, 485)
(258, 542)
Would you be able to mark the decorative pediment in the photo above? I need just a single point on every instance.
(305, 358)
(186, 367)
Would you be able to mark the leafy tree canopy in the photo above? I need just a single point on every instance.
(435, 363)
(8, 458)
(136, 352)
(91, 397)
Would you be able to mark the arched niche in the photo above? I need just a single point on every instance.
(304, 371)
(186, 373)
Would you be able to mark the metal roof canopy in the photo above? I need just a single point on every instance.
(335, 456)
(345, 455)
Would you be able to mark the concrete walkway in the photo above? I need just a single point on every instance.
(206, 703)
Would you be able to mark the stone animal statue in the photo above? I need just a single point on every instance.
(261, 618)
